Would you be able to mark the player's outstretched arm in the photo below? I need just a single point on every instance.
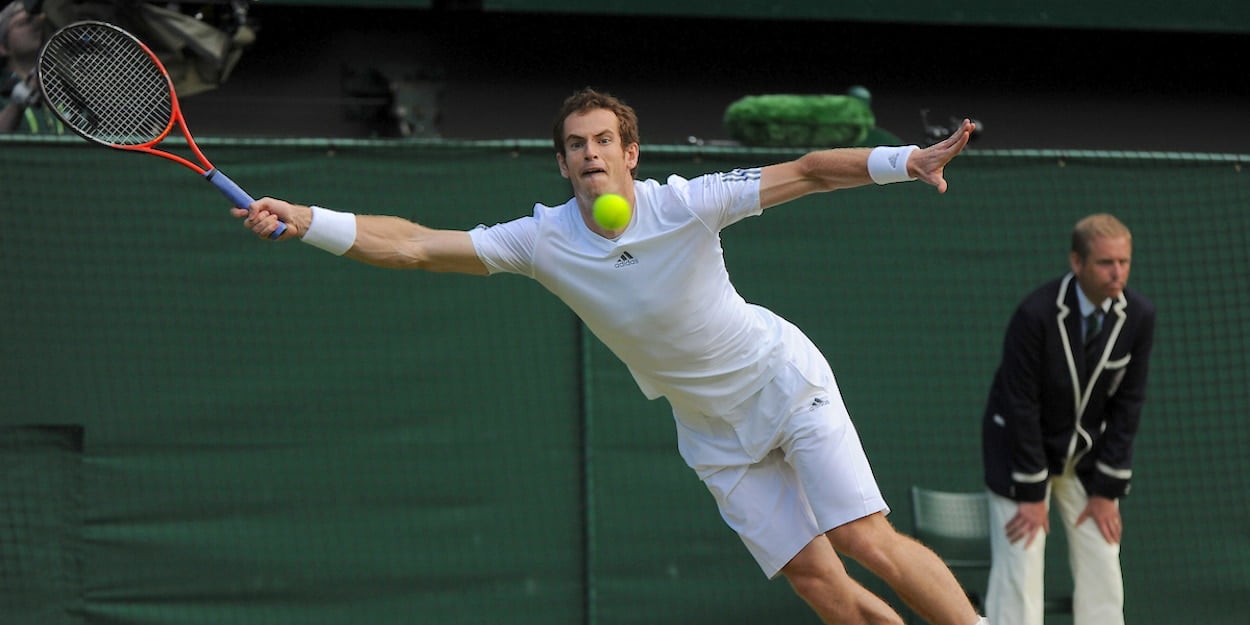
(380, 240)
(844, 168)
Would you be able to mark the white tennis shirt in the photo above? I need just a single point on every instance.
(659, 295)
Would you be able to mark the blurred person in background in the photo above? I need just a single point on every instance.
(22, 32)
(199, 51)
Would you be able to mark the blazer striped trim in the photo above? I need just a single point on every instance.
(1035, 478)
(1119, 474)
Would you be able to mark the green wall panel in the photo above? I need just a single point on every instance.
(273, 435)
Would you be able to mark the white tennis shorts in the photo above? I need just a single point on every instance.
(793, 466)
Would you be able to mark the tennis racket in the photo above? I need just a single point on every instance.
(110, 88)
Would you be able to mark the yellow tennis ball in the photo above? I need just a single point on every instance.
(611, 211)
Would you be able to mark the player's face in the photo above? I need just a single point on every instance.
(1104, 273)
(594, 159)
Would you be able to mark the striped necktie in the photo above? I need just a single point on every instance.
(1093, 325)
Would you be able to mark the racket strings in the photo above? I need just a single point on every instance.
(106, 86)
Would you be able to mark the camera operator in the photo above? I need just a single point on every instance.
(23, 28)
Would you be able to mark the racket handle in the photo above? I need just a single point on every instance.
(237, 195)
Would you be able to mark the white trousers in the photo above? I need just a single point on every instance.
(1016, 590)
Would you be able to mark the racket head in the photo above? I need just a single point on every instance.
(107, 86)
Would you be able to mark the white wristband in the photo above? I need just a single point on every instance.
(331, 231)
(888, 164)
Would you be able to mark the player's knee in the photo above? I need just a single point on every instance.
(811, 575)
(869, 541)
(807, 575)
(821, 588)
(836, 597)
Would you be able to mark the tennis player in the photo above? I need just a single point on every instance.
(758, 413)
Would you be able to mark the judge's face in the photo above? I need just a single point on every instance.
(1103, 273)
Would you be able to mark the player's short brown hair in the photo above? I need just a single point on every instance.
(588, 99)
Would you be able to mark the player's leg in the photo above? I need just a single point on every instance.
(765, 505)
(817, 575)
(918, 575)
(1098, 594)
(823, 447)
(1016, 588)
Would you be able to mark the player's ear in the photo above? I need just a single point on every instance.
(631, 155)
(564, 167)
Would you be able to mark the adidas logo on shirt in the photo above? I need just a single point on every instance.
(625, 260)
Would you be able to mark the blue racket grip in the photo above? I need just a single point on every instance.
(237, 195)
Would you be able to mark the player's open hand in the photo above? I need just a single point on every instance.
(266, 213)
(927, 164)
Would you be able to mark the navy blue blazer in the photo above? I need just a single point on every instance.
(1049, 407)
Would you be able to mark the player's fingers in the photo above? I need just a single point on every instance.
(965, 130)
(955, 143)
(251, 218)
(258, 221)
(953, 138)
(268, 204)
(271, 226)
(267, 225)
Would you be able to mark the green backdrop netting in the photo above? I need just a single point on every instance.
(276, 436)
